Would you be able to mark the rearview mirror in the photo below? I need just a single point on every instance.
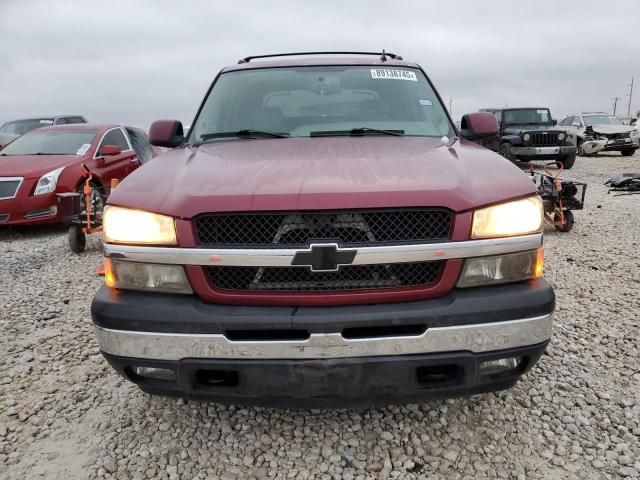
(166, 133)
(478, 125)
(109, 150)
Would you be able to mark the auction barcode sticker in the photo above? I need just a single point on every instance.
(393, 74)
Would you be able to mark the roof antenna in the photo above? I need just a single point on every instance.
(384, 56)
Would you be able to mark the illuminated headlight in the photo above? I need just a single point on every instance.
(146, 276)
(512, 267)
(561, 136)
(518, 217)
(124, 225)
(48, 182)
(526, 137)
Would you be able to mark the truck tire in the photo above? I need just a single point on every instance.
(627, 152)
(505, 151)
(568, 161)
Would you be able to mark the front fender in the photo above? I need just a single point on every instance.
(512, 139)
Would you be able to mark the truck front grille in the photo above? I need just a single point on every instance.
(349, 277)
(298, 229)
(9, 187)
(543, 139)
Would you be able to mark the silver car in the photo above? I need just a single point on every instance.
(593, 132)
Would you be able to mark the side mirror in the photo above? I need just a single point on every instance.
(554, 122)
(166, 133)
(109, 150)
(479, 125)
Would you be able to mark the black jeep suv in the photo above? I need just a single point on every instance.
(530, 134)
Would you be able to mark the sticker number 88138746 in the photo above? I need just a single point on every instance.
(393, 74)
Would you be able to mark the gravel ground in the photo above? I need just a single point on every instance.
(65, 414)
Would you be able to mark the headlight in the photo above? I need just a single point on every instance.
(146, 276)
(125, 225)
(526, 137)
(518, 217)
(48, 182)
(512, 267)
(561, 136)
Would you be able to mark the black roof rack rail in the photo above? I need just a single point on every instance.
(383, 55)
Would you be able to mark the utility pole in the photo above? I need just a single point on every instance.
(450, 105)
(615, 103)
(630, 95)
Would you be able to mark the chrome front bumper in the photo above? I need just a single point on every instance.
(484, 337)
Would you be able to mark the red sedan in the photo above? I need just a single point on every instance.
(46, 161)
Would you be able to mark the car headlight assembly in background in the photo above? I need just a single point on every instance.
(137, 227)
(48, 182)
(509, 268)
(518, 217)
(149, 277)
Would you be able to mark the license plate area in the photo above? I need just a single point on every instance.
(547, 150)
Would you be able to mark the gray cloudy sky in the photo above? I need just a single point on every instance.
(136, 61)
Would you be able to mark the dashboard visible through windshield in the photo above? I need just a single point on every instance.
(50, 142)
(316, 101)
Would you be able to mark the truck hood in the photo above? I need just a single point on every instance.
(321, 173)
(611, 129)
(33, 166)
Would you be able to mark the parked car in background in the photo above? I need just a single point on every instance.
(13, 129)
(44, 162)
(323, 237)
(593, 132)
(530, 134)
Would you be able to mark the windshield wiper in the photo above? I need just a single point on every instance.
(246, 133)
(361, 131)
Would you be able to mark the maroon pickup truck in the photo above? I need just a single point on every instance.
(324, 236)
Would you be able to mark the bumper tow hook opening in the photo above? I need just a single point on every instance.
(439, 375)
(215, 378)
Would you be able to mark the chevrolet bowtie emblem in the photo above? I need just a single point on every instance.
(324, 257)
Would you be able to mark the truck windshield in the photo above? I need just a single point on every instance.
(526, 116)
(48, 142)
(313, 101)
(591, 120)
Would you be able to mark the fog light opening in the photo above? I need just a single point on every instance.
(500, 365)
(155, 373)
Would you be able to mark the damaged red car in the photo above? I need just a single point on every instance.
(44, 162)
